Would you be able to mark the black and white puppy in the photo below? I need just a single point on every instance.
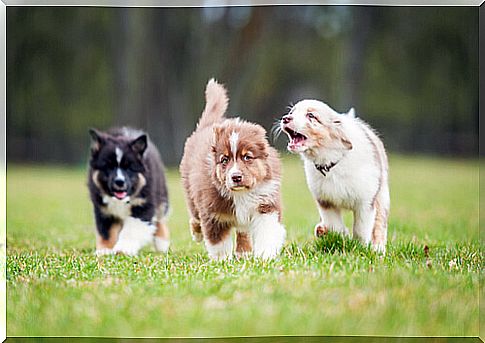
(128, 190)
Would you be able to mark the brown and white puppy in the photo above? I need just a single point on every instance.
(346, 168)
(231, 177)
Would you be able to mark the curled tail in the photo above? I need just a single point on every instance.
(216, 104)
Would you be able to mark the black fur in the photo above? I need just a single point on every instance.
(147, 199)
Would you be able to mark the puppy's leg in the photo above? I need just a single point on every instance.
(268, 235)
(364, 219)
(330, 220)
(135, 234)
(218, 239)
(379, 233)
(105, 243)
(161, 238)
(107, 230)
(196, 230)
(243, 244)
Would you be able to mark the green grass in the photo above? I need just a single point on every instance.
(330, 286)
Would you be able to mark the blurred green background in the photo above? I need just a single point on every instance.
(412, 72)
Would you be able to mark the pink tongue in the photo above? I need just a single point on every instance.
(120, 195)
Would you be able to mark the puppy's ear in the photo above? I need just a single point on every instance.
(346, 143)
(139, 144)
(217, 132)
(339, 136)
(351, 113)
(98, 139)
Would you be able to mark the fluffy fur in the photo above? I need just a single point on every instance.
(346, 168)
(231, 177)
(128, 191)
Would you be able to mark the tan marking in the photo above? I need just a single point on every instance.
(311, 109)
(162, 231)
(96, 181)
(224, 217)
(109, 243)
(379, 233)
(141, 184)
(243, 244)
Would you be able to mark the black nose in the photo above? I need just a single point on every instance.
(286, 119)
(236, 178)
(120, 183)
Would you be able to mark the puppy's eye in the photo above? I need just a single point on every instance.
(310, 115)
(224, 160)
(247, 158)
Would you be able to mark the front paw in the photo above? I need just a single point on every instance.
(268, 253)
(104, 251)
(320, 230)
(126, 248)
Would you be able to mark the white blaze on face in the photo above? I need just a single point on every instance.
(119, 155)
(233, 140)
(119, 175)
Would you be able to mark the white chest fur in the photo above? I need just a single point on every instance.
(246, 204)
(349, 183)
(116, 207)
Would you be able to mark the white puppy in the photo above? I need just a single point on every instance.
(346, 168)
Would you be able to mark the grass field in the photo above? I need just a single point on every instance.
(56, 286)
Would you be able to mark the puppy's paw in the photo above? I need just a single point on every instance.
(268, 253)
(320, 230)
(379, 248)
(126, 248)
(104, 251)
(161, 244)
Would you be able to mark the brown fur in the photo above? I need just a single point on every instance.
(243, 244)
(109, 243)
(204, 175)
(162, 231)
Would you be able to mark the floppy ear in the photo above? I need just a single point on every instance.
(97, 139)
(139, 144)
(346, 143)
(339, 136)
(217, 132)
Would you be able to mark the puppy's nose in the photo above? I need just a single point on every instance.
(286, 119)
(120, 183)
(236, 177)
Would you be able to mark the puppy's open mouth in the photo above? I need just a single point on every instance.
(120, 195)
(297, 139)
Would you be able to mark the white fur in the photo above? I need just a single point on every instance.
(246, 202)
(104, 251)
(161, 244)
(233, 140)
(119, 174)
(120, 208)
(119, 155)
(268, 235)
(354, 181)
(134, 235)
(221, 250)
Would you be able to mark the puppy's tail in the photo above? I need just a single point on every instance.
(216, 104)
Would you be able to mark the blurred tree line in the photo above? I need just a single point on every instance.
(411, 72)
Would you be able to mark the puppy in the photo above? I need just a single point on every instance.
(231, 177)
(345, 166)
(128, 191)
